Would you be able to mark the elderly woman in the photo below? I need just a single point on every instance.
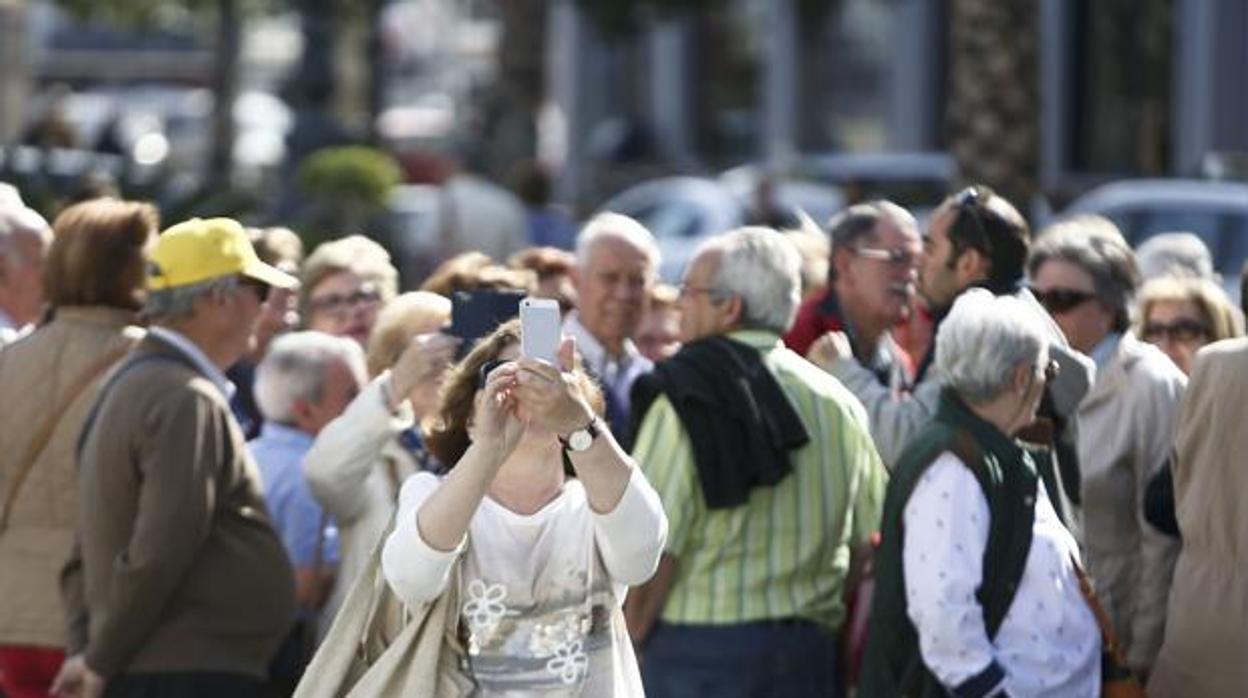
(360, 459)
(345, 283)
(977, 592)
(1181, 315)
(1084, 274)
(48, 381)
(545, 558)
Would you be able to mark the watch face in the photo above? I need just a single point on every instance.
(580, 440)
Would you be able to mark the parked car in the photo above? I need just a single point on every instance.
(682, 211)
(1216, 211)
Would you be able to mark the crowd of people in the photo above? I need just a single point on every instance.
(896, 476)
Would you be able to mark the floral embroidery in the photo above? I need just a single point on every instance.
(483, 611)
(570, 662)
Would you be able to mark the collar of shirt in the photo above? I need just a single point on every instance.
(600, 363)
(1105, 350)
(7, 323)
(286, 436)
(762, 340)
(180, 342)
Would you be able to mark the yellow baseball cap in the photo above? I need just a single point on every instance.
(202, 249)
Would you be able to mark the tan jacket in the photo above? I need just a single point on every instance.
(1205, 654)
(355, 469)
(1127, 425)
(35, 375)
(182, 568)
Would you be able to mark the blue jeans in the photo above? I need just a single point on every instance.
(786, 659)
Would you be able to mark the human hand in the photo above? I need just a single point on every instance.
(549, 395)
(76, 680)
(828, 349)
(495, 426)
(421, 365)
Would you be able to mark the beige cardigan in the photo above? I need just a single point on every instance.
(354, 469)
(35, 374)
(1205, 654)
(1127, 425)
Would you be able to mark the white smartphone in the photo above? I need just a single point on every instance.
(541, 328)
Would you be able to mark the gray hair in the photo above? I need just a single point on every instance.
(296, 367)
(356, 254)
(763, 269)
(620, 227)
(849, 228)
(1175, 254)
(177, 303)
(1094, 244)
(983, 339)
(18, 220)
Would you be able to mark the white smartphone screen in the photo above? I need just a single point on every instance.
(541, 328)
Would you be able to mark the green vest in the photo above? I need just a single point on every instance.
(893, 666)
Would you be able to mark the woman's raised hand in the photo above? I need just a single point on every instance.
(496, 426)
(549, 396)
(421, 364)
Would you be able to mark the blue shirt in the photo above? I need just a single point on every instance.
(279, 451)
(1105, 350)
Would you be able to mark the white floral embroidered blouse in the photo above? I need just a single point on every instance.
(540, 594)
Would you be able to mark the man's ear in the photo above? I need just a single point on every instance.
(972, 266)
(840, 261)
(734, 310)
(301, 414)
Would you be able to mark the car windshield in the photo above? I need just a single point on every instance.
(671, 219)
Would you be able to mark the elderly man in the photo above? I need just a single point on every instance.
(24, 240)
(616, 259)
(769, 480)
(874, 261)
(975, 239)
(304, 382)
(187, 589)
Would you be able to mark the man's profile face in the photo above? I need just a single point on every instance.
(938, 280)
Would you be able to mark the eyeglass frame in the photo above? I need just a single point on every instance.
(896, 257)
(334, 303)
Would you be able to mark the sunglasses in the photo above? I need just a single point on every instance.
(1061, 300)
(483, 373)
(258, 287)
(1181, 330)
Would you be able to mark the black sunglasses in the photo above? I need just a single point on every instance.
(260, 288)
(483, 373)
(1181, 330)
(1061, 300)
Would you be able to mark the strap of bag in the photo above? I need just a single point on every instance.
(1113, 661)
(44, 433)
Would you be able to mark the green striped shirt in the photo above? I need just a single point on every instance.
(785, 552)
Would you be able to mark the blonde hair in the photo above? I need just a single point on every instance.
(356, 254)
(1222, 319)
(401, 319)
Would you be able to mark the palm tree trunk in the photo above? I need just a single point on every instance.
(993, 111)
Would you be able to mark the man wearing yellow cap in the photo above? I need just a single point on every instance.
(185, 589)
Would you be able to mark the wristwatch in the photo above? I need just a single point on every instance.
(581, 439)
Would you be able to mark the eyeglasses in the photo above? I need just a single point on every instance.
(687, 290)
(1181, 330)
(338, 303)
(1061, 300)
(898, 257)
(483, 373)
(258, 287)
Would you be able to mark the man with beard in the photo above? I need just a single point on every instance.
(871, 281)
(975, 238)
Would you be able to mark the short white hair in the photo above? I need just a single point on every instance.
(1175, 254)
(983, 340)
(619, 227)
(18, 220)
(763, 268)
(295, 369)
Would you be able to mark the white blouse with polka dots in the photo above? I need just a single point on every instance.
(1049, 642)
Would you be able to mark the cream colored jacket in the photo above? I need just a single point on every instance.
(1127, 425)
(1205, 653)
(355, 469)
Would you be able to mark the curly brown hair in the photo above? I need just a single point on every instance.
(446, 430)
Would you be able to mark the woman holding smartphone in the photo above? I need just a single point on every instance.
(546, 551)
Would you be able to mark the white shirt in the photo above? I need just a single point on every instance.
(9, 331)
(540, 594)
(1048, 645)
(197, 357)
(618, 371)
